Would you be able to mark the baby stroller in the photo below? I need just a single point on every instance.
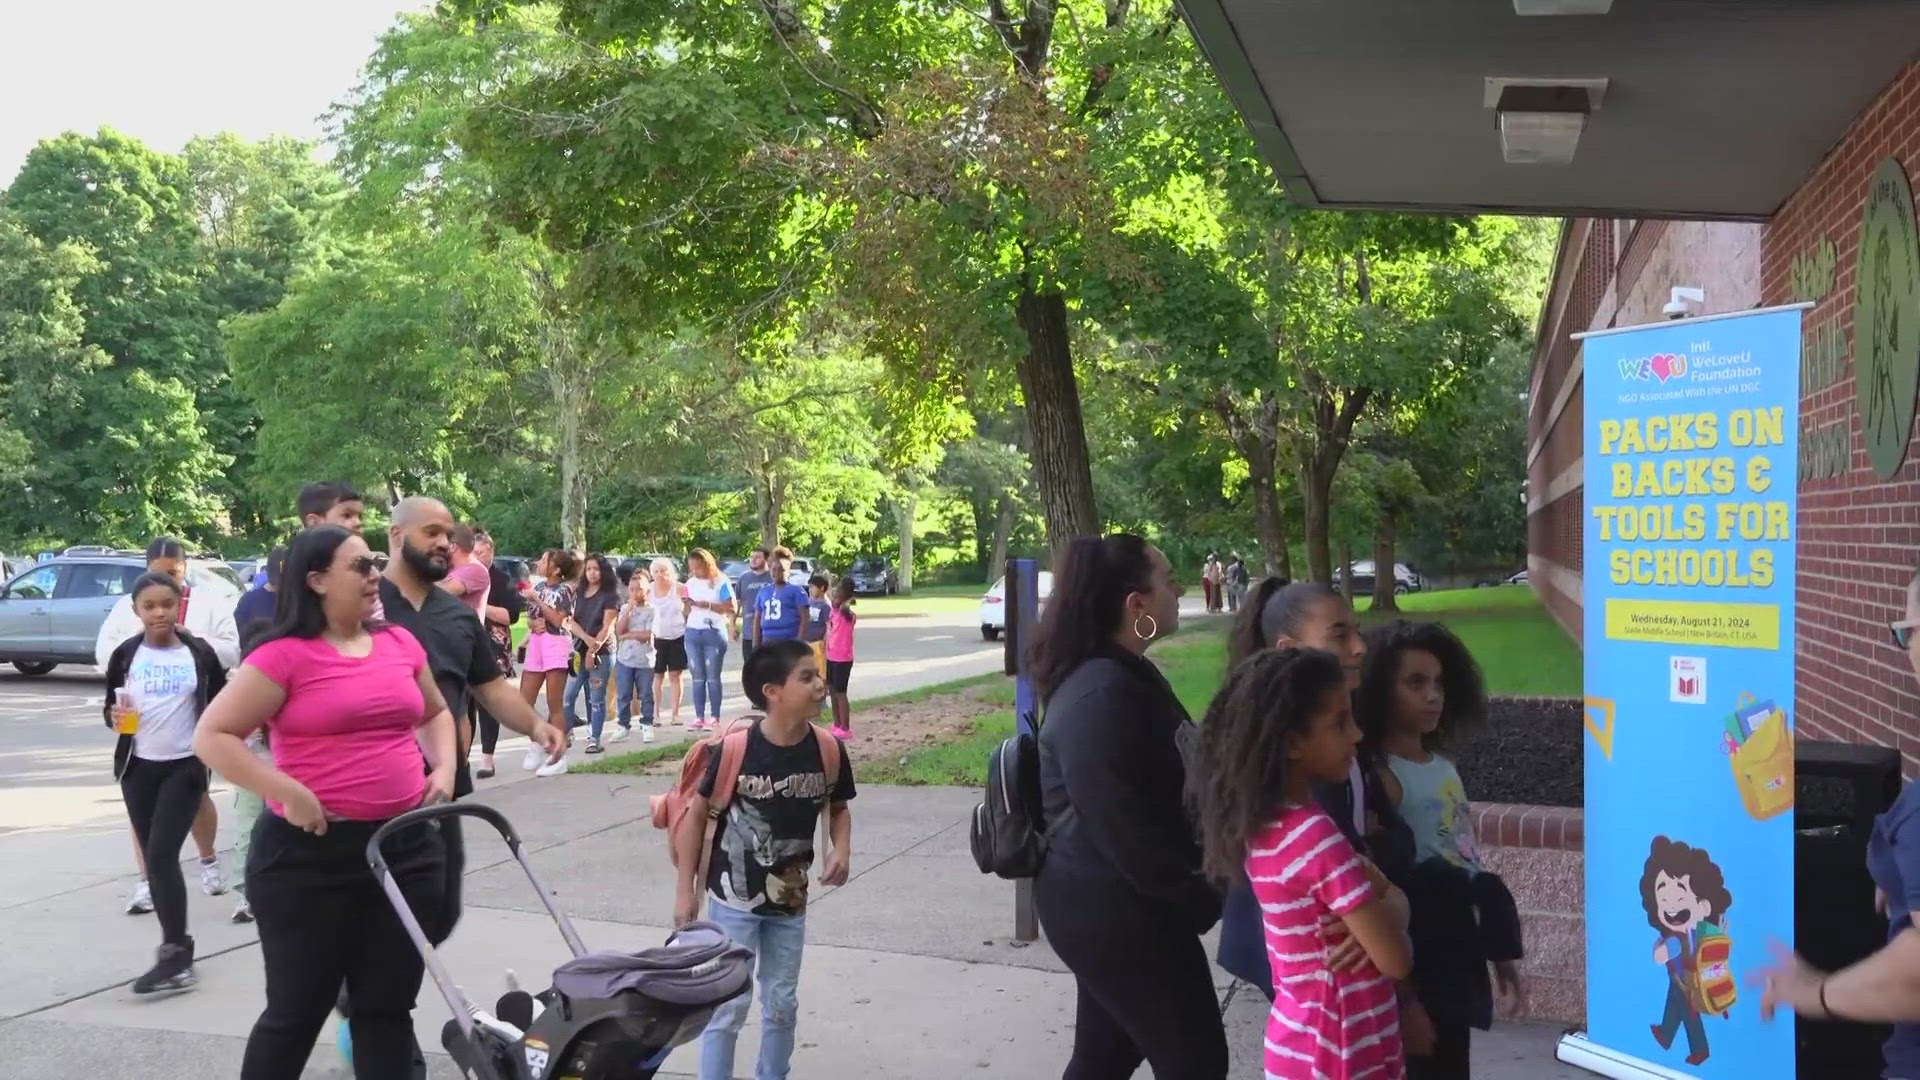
(607, 1016)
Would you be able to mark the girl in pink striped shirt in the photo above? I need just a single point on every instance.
(1336, 930)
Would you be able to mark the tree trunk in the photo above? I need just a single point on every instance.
(1346, 576)
(1268, 523)
(575, 481)
(769, 496)
(1057, 443)
(905, 508)
(1385, 532)
(1316, 492)
(1002, 530)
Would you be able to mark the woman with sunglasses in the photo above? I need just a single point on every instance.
(359, 735)
(1881, 989)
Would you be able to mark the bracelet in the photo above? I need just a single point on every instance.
(1826, 1012)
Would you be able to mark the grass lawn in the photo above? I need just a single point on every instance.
(1523, 652)
(926, 600)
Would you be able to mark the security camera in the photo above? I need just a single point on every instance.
(1684, 302)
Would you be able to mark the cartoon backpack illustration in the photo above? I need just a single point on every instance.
(1759, 747)
(1715, 985)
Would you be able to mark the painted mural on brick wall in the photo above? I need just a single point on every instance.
(1691, 451)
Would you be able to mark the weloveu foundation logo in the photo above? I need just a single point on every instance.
(1661, 366)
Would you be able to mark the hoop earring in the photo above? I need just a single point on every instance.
(1153, 628)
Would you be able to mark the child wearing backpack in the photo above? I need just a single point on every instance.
(764, 787)
(1420, 691)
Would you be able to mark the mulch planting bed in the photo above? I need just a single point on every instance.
(1529, 752)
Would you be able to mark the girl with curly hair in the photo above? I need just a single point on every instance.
(1280, 725)
(1420, 693)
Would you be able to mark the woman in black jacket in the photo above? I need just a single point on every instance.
(1121, 896)
(159, 681)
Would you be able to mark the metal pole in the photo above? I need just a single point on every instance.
(1023, 591)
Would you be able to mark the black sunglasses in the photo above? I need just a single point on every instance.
(1902, 635)
(368, 565)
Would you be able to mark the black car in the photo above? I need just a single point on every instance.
(873, 577)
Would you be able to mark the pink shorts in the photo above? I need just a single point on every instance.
(548, 652)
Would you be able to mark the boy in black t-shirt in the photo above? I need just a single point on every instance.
(762, 849)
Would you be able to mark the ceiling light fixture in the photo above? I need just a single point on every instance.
(1562, 7)
(1541, 120)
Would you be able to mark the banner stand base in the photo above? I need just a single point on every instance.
(1581, 1052)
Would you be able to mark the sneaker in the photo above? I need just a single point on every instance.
(593, 745)
(141, 902)
(558, 768)
(213, 881)
(173, 970)
(534, 759)
(619, 733)
(242, 911)
(843, 734)
(646, 733)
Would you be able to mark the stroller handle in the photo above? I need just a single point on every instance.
(433, 813)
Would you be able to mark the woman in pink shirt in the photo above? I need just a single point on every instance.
(1281, 724)
(359, 735)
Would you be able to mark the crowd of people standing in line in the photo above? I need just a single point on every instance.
(1224, 584)
(1314, 814)
(348, 687)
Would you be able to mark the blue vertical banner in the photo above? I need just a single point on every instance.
(1690, 466)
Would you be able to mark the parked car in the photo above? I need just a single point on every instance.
(993, 606)
(1518, 579)
(51, 613)
(733, 568)
(801, 567)
(517, 567)
(873, 576)
(1404, 580)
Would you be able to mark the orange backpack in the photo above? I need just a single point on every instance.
(1713, 974)
(670, 809)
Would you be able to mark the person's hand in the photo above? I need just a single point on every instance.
(1662, 954)
(834, 870)
(686, 908)
(1417, 1033)
(550, 739)
(439, 787)
(117, 716)
(1792, 982)
(1509, 988)
(733, 631)
(1880, 900)
(1344, 951)
(302, 809)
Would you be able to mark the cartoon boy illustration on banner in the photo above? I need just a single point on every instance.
(1686, 902)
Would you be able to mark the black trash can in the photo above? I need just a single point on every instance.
(1839, 788)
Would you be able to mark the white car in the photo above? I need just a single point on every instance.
(993, 606)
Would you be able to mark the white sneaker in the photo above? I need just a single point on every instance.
(243, 911)
(534, 757)
(558, 768)
(646, 733)
(141, 903)
(213, 881)
(616, 734)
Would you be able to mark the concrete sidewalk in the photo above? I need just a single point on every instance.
(909, 970)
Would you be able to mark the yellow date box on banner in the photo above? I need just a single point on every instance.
(1688, 622)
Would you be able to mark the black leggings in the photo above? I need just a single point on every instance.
(323, 919)
(1452, 1055)
(489, 730)
(1145, 989)
(162, 798)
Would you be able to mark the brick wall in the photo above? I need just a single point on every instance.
(1539, 852)
(1600, 281)
(1859, 537)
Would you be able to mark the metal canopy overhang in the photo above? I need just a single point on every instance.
(1714, 109)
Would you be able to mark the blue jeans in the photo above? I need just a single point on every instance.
(628, 681)
(594, 681)
(706, 655)
(777, 942)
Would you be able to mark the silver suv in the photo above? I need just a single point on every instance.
(51, 613)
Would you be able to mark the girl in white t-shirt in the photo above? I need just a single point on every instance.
(709, 611)
(669, 603)
(158, 683)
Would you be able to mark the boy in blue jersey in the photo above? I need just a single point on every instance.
(781, 608)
